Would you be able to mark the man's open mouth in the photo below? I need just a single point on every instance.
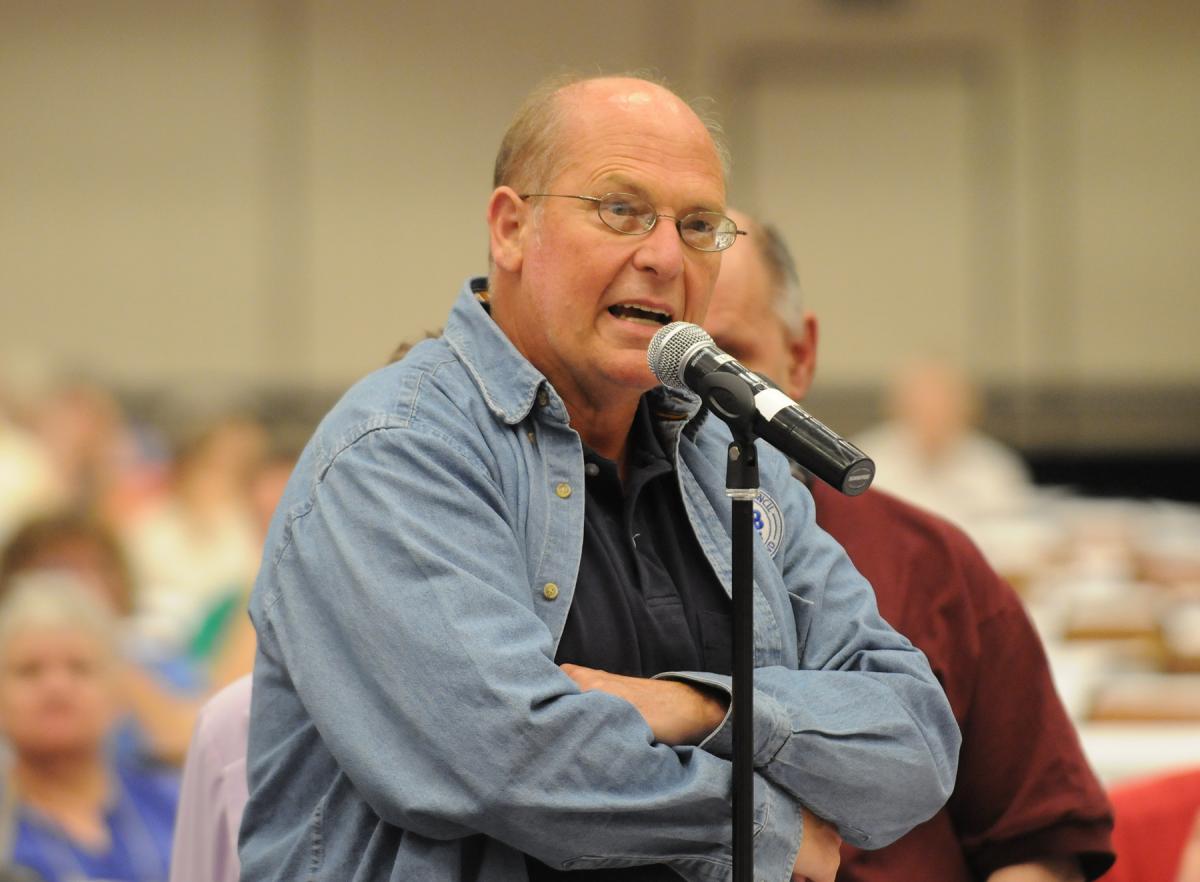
(640, 314)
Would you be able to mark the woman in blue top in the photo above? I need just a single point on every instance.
(68, 811)
(163, 688)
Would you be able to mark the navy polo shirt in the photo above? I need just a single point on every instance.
(646, 599)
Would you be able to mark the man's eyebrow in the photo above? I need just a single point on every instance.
(621, 184)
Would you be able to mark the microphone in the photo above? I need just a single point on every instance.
(682, 355)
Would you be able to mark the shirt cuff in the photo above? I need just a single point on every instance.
(778, 832)
(771, 724)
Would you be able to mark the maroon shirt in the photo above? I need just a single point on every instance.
(1024, 789)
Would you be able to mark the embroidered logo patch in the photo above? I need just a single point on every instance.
(768, 521)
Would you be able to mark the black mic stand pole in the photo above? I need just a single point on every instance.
(731, 399)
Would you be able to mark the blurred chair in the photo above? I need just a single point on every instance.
(214, 790)
(1155, 818)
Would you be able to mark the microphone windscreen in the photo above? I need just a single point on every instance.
(670, 346)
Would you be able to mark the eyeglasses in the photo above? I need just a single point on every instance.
(634, 216)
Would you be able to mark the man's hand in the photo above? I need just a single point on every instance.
(1052, 870)
(820, 850)
(677, 713)
(683, 713)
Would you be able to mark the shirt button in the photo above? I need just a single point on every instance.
(550, 591)
(591, 469)
(563, 490)
(542, 398)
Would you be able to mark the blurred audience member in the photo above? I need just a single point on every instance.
(238, 642)
(267, 482)
(77, 543)
(97, 461)
(162, 687)
(81, 427)
(196, 553)
(214, 790)
(68, 811)
(931, 454)
(28, 484)
(214, 776)
(1026, 807)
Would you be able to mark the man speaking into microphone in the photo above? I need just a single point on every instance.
(493, 613)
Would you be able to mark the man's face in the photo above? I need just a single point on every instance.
(741, 318)
(590, 299)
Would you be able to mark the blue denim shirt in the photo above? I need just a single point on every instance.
(409, 722)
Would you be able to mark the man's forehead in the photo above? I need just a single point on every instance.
(630, 102)
(620, 89)
(620, 131)
(637, 99)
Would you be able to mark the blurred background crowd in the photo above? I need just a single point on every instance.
(127, 550)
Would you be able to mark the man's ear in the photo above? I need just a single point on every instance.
(507, 219)
(802, 356)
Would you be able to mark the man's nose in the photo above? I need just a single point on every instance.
(661, 250)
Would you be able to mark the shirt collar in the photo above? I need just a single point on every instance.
(509, 383)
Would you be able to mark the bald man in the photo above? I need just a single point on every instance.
(493, 618)
(1026, 806)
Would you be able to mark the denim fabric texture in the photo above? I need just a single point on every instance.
(408, 719)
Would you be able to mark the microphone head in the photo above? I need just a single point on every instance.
(669, 349)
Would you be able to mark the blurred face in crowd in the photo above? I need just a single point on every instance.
(80, 424)
(58, 691)
(935, 402)
(743, 318)
(266, 489)
(218, 467)
(586, 299)
(236, 448)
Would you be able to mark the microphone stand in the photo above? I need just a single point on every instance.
(730, 399)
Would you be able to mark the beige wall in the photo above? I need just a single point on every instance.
(232, 193)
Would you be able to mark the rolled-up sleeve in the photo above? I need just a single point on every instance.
(856, 727)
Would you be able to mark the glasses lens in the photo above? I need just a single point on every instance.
(707, 230)
(626, 213)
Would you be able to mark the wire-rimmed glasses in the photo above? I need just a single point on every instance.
(633, 215)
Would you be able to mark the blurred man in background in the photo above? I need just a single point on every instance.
(930, 451)
(1026, 805)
